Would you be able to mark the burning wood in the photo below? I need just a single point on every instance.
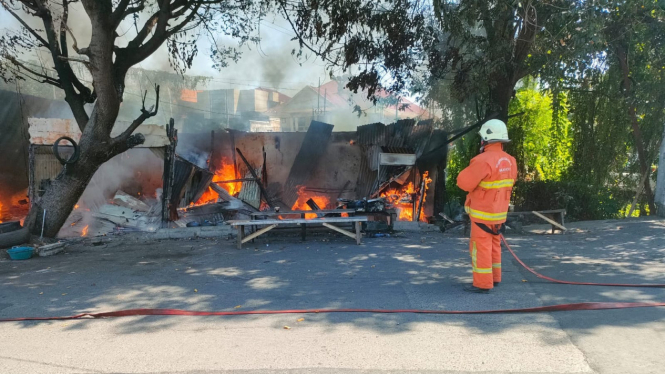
(304, 196)
(404, 198)
(208, 197)
(226, 171)
(14, 207)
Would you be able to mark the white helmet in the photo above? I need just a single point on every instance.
(494, 131)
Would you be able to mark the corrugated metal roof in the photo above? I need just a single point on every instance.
(401, 135)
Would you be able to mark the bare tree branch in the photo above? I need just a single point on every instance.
(123, 10)
(24, 24)
(145, 114)
(44, 77)
(75, 59)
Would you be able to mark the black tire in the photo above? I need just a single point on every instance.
(56, 152)
(9, 226)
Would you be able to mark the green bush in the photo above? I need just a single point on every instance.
(581, 201)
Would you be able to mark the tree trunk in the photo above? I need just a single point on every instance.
(659, 200)
(622, 56)
(500, 97)
(641, 155)
(65, 190)
(60, 197)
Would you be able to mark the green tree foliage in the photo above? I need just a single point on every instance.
(540, 134)
(487, 47)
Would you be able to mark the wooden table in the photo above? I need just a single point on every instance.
(272, 223)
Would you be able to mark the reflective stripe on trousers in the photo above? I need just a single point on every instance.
(474, 262)
(485, 253)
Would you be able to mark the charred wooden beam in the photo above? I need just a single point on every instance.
(256, 177)
(236, 180)
(312, 204)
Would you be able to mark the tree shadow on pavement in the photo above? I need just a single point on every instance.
(414, 271)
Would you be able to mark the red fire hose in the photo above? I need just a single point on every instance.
(547, 308)
(575, 283)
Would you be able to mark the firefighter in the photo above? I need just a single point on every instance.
(489, 180)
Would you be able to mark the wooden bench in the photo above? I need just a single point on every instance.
(272, 223)
(548, 216)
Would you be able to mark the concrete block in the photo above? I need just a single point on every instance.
(50, 249)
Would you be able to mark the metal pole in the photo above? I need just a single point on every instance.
(43, 221)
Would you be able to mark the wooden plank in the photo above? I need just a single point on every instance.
(258, 233)
(241, 231)
(303, 228)
(551, 211)
(300, 220)
(340, 230)
(550, 221)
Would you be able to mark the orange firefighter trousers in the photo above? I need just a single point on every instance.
(485, 250)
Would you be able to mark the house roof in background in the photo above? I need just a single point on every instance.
(338, 97)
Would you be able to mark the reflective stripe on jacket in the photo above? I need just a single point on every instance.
(489, 181)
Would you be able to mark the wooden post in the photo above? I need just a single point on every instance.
(32, 196)
(303, 228)
(358, 233)
(241, 234)
(420, 199)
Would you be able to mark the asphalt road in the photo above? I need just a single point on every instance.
(415, 270)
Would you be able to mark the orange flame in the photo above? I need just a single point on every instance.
(403, 199)
(76, 206)
(226, 172)
(208, 197)
(303, 196)
(84, 232)
(428, 180)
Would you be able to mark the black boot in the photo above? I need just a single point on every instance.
(496, 284)
(474, 289)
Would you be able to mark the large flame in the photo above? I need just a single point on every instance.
(402, 199)
(303, 196)
(428, 180)
(208, 197)
(226, 171)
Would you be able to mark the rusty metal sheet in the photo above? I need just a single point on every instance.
(313, 147)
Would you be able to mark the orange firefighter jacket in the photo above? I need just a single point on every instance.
(489, 180)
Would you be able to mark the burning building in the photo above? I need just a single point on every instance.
(401, 164)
